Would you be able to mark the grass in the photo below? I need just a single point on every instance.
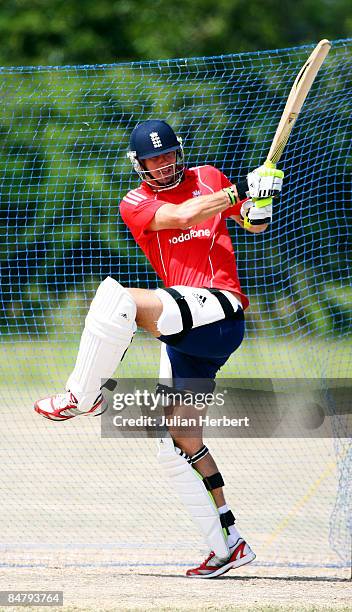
(36, 362)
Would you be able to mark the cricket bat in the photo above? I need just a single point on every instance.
(299, 91)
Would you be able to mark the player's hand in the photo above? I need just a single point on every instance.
(252, 214)
(264, 183)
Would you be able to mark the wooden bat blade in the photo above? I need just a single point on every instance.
(296, 98)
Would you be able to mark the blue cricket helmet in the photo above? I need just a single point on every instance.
(153, 137)
(150, 139)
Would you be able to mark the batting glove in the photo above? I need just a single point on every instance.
(252, 214)
(264, 183)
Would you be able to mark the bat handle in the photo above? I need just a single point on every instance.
(269, 164)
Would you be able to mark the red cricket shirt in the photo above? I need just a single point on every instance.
(201, 256)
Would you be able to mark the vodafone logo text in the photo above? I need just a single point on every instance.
(202, 233)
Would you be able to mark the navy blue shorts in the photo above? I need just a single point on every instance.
(202, 351)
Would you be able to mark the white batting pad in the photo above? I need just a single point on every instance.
(194, 496)
(109, 328)
(188, 484)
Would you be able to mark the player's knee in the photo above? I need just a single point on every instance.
(149, 308)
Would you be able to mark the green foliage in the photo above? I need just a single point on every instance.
(71, 32)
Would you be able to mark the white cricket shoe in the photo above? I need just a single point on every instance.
(63, 406)
(240, 554)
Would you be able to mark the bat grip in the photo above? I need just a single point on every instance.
(269, 164)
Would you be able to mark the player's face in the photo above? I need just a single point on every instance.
(162, 167)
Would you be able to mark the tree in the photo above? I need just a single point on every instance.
(71, 32)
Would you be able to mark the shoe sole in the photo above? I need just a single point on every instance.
(225, 568)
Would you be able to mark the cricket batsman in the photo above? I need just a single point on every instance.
(177, 216)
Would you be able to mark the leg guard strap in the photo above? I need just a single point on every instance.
(199, 454)
(227, 519)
